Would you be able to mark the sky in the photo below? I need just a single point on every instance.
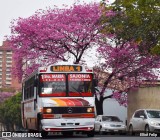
(13, 9)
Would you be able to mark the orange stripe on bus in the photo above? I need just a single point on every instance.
(59, 102)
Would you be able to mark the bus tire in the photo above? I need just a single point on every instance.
(67, 133)
(90, 133)
(40, 130)
(27, 127)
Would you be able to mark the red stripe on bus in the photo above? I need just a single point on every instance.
(76, 94)
(77, 102)
(48, 116)
(62, 94)
(84, 115)
(86, 94)
(71, 129)
(69, 102)
(84, 102)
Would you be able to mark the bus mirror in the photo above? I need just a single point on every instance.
(95, 82)
(35, 83)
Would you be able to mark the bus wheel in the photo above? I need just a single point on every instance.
(28, 130)
(43, 133)
(90, 133)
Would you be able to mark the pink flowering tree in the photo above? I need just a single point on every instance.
(126, 67)
(54, 35)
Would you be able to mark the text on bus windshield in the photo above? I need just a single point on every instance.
(56, 84)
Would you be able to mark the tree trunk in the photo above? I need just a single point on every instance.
(99, 105)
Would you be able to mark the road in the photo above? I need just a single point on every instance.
(84, 137)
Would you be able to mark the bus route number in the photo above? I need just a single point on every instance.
(66, 68)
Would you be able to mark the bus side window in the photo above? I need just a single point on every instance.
(27, 93)
(32, 90)
(24, 93)
(35, 84)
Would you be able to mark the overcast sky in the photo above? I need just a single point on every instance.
(12, 9)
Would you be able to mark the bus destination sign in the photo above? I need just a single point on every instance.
(66, 68)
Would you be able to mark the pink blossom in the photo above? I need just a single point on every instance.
(127, 68)
(121, 97)
(51, 34)
(5, 95)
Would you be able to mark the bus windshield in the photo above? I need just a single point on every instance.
(55, 85)
(52, 85)
(80, 84)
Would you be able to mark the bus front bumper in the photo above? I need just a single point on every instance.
(68, 124)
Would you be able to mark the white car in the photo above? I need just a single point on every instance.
(145, 120)
(112, 124)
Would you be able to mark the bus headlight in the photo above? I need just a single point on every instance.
(48, 110)
(89, 109)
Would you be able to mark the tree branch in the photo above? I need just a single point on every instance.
(109, 96)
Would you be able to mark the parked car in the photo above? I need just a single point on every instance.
(145, 120)
(112, 124)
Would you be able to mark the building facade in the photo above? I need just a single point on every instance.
(7, 79)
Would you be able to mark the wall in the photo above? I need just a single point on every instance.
(142, 98)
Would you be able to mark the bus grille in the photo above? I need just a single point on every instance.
(67, 110)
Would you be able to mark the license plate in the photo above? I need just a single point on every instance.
(70, 124)
(58, 116)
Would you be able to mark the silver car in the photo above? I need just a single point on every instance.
(145, 120)
(112, 124)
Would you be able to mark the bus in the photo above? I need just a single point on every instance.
(59, 98)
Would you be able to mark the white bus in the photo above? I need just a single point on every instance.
(59, 98)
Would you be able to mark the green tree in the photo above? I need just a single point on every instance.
(136, 20)
(10, 113)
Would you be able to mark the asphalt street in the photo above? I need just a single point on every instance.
(84, 137)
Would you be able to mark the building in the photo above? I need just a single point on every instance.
(7, 80)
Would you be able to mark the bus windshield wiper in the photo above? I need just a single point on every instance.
(77, 91)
